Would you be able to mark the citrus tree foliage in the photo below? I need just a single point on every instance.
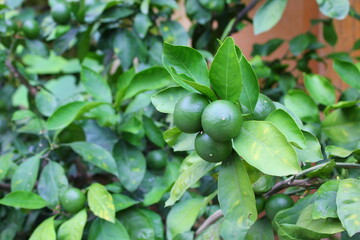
(90, 149)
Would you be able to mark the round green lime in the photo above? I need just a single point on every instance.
(187, 113)
(31, 29)
(210, 150)
(264, 106)
(260, 203)
(222, 120)
(72, 200)
(276, 203)
(157, 159)
(61, 13)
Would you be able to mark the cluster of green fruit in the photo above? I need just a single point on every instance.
(60, 12)
(216, 124)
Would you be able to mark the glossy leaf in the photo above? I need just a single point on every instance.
(335, 151)
(131, 165)
(236, 197)
(261, 230)
(173, 32)
(186, 61)
(149, 79)
(96, 155)
(347, 200)
(257, 146)
(52, 183)
(325, 202)
(250, 86)
(142, 22)
(5, 164)
(156, 222)
(104, 230)
(45, 231)
(122, 202)
(312, 151)
(324, 171)
(73, 228)
(26, 174)
(95, 85)
(299, 44)
(324, 226)
(178, 140)
(153, 132)
(268, 15)
(343, 125)
(182, 216)
(101, 202)
(137, 224)
(287, 125)
(338, 9)
(329, 32)
(225, 72)
(189, 177)
(46, 102)
(165, 100)
(348, 72)
(68, 113)
(320, 89)
(21, 199)
(302, 105)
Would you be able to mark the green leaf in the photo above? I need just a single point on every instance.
(52, 183)
(329, 32)
(188, 61)
(45, 231)
(266, 49)
(347, 200)
(250, 86)
(287, 125)
(46, 102)
(236, 197)
(213, 5)
(95, 85)
(320, 89)
(96, 155)
(156, 223)
(256, 144)
(225, 72)
(137, 224)
(104, 230)
(5, 164)
(122, 84)
(261, 230)
(189, 177)
(325, 226)
(122, 202)
(66, 114)
(101, 202)
(348, 72)
(26, 174)
(124, 48)
(178, 140)
(325, 203)
(302, 105)
(338, 9)
(197, 12)
(73, 228)
(268, 15)
(131, 165)
(335, 151)
(165, 100)
(182, 216)
(13, 3)
(149, 79)
(21, 199)
(343, 125)
(173, 32)
(312, 151)
(324, 171)
(299, 44)
(142, 23)
(153, 132)
(211, 232)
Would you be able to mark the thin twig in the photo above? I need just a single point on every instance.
(33, 91)
(210, 220)
(5, 186)
(242, 14)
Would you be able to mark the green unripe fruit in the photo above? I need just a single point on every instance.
(11, 25)
(264, 106)
(61, 13)
(188, 111)
(156, 159)
(31, 29)
(72, 200)
(276, 203)
(260, 203)
(222, 120)
(210, 150)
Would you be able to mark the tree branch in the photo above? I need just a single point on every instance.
(242, 14)
(210, 220)
(33, 91)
